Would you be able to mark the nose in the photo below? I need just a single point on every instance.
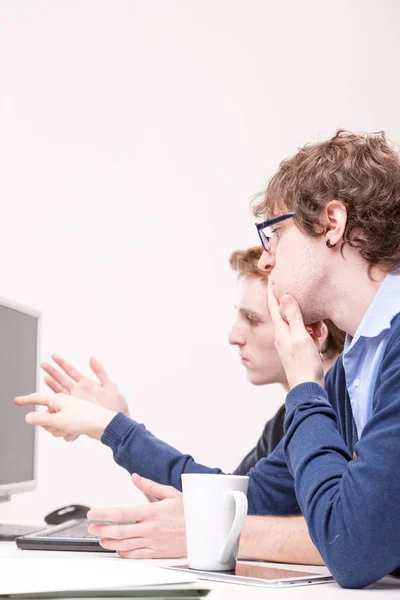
(236, 336)
(266, 262)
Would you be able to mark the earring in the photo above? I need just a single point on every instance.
(329, 244)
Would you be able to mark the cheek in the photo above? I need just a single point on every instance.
(266, 343)
(284, 266)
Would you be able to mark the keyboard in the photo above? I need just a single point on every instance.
(71, 536)
(9, 531)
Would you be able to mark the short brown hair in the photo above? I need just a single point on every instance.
(360, 170)
(245, 262)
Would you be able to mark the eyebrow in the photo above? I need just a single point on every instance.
(279, 225)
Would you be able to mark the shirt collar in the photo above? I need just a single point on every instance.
(379, 315)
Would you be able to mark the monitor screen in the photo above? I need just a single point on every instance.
(18, 374)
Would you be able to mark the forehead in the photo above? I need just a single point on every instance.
(253, 295)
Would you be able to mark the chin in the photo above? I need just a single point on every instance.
(257, 379)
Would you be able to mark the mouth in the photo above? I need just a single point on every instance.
(244, 360)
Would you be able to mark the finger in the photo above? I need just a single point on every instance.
(124, 545)
(280, 327)
(69, 369)
(138, 553)
(57, 433)
(121, 532)
(56, 387)
(44, 419)
(121, 515)
(58, 377)
(39, 399)
(290, 310)
(99, 371)
(50, 430)
(152, 488)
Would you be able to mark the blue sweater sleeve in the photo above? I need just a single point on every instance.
(271, 486)
(138, 451)
(351, 506)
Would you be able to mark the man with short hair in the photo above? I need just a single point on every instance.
(159, 531)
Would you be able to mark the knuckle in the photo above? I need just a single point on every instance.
(125, 544)
(119, 532)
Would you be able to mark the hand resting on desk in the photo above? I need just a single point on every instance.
(159, 531)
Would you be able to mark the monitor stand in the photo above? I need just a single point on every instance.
(10, 531)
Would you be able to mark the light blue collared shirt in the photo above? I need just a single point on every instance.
(363, 353)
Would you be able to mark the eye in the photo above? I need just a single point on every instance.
(252, 319)
(276, 231)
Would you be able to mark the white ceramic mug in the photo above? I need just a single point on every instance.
(215, 509)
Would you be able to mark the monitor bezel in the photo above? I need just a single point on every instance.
(9, 489)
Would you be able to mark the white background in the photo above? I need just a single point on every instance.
(132, 136)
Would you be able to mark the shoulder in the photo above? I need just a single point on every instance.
(390, 365)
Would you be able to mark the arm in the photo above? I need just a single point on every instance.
(271, 487)
(159, 531)
(139, 451)
(278, 539)
(350, 506)
(270, 438)
(135, 448)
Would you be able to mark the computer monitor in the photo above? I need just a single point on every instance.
(19, 364)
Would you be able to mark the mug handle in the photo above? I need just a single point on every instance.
(238, 522)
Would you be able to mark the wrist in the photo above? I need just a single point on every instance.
(100, 423)
(317, 378)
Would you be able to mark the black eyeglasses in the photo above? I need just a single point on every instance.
(266, 232)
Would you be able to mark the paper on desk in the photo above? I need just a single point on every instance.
(27, 575)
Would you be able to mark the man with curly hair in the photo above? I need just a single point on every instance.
(330, 230)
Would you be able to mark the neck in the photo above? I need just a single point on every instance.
(328, 363)
(351, 291)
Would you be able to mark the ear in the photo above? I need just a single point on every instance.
(324, 336)
(335, 219)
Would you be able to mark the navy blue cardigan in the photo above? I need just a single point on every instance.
(347, 489)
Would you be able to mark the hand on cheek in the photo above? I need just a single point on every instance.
(297, 346)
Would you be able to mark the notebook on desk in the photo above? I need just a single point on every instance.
(69, 536)
(93, 577)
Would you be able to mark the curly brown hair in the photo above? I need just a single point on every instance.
(245, 262)
(360, 170)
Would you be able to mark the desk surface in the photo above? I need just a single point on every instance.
(386, 588)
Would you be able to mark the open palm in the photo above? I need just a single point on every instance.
(68, 380)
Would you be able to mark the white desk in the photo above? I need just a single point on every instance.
(387, 589)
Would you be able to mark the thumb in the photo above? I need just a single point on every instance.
(290, 311)
(152, 488)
